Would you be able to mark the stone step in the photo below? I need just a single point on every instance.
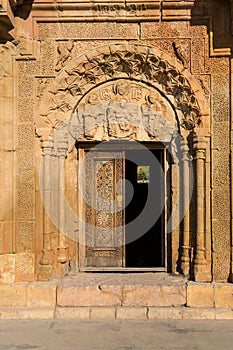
(120, 313)
(117, 295)
(109, 289)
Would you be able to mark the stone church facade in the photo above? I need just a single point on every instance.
(86, 87)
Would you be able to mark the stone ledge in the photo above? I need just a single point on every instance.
(107, 296)
(165, 313)
(69, 313)
(22, 294)
(131, 313)
(219, 295)
(154, 295)
(27, 313)
(200, 295)
(89, 296)
(111, 313)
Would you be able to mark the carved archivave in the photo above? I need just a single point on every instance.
(135, 64)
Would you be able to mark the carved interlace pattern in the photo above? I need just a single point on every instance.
(102, 212)
(143, 66)
(104, 198)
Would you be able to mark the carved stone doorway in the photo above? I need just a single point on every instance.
(122, 201)
(133, 93)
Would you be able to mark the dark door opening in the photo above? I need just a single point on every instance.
(144, 236)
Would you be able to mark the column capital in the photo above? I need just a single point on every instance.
(47, 147)
(199, 143)
(62, 148)
(185, 151)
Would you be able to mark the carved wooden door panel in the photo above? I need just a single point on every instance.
(104, 217)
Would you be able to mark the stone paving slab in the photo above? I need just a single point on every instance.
(116, 335)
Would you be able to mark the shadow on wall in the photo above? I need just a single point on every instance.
(217, 16)
(23, 8)
(20, 8)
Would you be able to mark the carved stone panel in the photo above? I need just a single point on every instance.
(134, 63)
(123, 109)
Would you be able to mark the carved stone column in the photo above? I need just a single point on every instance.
(62, 254)
(184, 209)
(200, 264)
(174, 213)
(47, 154)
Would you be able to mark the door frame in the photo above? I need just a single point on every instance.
(83, 147)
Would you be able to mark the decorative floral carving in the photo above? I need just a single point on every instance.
(139, 65)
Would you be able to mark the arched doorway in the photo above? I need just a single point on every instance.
(111, 94)
(124, 130)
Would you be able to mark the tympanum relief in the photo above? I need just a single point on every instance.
(123, 109)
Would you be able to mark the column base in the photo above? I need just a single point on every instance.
(185, 268)
(44, 273)
(62, 255)
(201, 274)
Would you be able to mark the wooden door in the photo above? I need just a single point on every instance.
(104, 215)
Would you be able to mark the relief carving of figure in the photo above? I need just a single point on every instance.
(151, 115)
(93, 117)
(122, 109)
(120, 112)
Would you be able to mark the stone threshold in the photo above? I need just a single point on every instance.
(143, 296)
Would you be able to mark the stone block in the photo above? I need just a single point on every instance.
(69, 313)
(6, 87)
(220, 161)
(6, 206)
(168, 14)
(24, 267)
(7, 268)
(103, 313)
(220, 140)
(221, 256)
(26, 313)
(24, 237)
(6, 240)
(13, 295)
(131, 313)
(164, 30)
(165, 313)
(6, 173)
(224, 314)
(140, 296)
(223, 296)
(200, 295)
(89, 296)
(218, 66)
(40, 294)
(190, 313)
(173, 295)
(154, 296)
(87, 30)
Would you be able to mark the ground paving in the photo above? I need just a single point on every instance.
(116, 335)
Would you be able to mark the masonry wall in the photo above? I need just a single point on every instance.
(45, 40)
